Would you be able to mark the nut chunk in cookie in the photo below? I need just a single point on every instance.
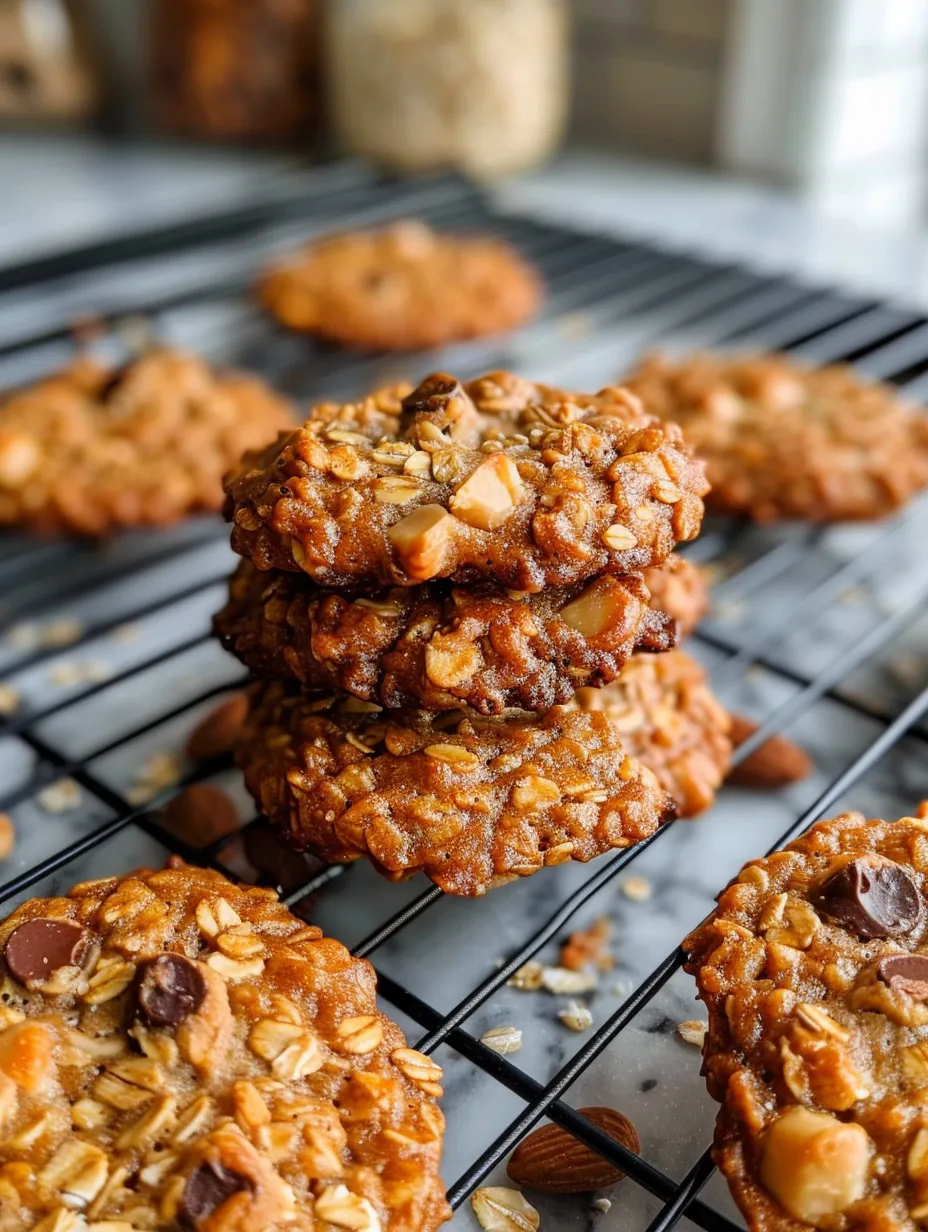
(177, 1052)
(500, 479)
(814, 969)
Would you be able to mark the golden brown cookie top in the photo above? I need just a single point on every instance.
(180, 1052)
(93, 449)
(785, 441)
(471, 802)
(671, 722)
(437, 645)
(814, 969)
(499, 478)
(403, 287)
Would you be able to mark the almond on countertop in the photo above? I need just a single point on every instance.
(551, 1160)
(215, 735)
(775, 764)
(201, 814)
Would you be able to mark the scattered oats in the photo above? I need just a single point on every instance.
(601, 1205)
(638, 889)
(575, 325)
(909, 669)
(621, 988)
(731, 609)
(60, 797)
(96, 671)
(576, 1016)
(693, 1031)
(504, 1210)
(63, 632)
(562, 982)
(161, 770)
(528, 978)
(63, 675)
(503, 1039)
(10, 700)
(24, 637)
(499, 963)
(125, 634)
(854, 594)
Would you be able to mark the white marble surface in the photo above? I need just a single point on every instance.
(649, 1073)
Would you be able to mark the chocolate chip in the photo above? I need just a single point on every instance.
(872, 899)
(208, 1186)
(169, 989)
(434, 394)
(905, 973)
(39, 947)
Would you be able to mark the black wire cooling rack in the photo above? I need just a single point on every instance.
(149, 595)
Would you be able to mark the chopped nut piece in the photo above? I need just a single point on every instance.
(503, 1039)
(814, 1165)
(693, 1031)
(422, 540)
(337, 1205)
(488, 497)
(504, 1210)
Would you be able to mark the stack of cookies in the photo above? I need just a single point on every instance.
(429, 577)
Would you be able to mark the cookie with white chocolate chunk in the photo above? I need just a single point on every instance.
(177, 1052)
(814, 969)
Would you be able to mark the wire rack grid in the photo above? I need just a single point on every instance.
(108, 647)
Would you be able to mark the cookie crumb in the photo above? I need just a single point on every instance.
(503, 1040)
(693, 1031)
(638, 889)
(60, 797)
(588, 947)
(601, 1205)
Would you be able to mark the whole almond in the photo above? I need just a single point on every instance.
(215, 735)
(200, 814)
(551, 1160)
(775, 764)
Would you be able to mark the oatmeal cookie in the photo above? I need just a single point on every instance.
(679, 589)
(177, 1052)
(471, 802)
(498, 479)
(93, 449)
(437, 646)
(402, 288)
(814, 969)
(783, 441)
(671, 722)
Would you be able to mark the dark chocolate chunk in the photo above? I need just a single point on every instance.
(440, 399)
(39, 947)
(208, 1186)
(169, 989)
(872, 899)
(905, 972)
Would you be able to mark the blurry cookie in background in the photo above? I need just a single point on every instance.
(402, 288)
(92, 450)
(783, 441)
(679, 589)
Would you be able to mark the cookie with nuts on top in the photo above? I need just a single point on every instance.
(678, 588)
(785, 441)
(814, 969)
(669, 720)
(402, 288)
(439, 645)
(498, 479)
(93, 449)
(471, 802)
(177, 1052)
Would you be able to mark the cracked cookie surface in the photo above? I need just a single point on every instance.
(497, 479)
(438, 646)
(403, 287)
(783, 441)
(91, 450)
(814, 969)
(471, 802)
(177, 1052)
(669, 719)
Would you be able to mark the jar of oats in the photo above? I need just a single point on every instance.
(480, 85)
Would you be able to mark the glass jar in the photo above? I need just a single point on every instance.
(234, 69)
(480, 85)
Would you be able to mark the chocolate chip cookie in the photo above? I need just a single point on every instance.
(498, 479)
(92, 450)
(437, 645)
(814, 969)
(783, 441)
(679, 589)
(472, 802)
(177, 1052)
(402, 288)
(671, 722)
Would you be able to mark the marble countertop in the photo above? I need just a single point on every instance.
(649, 1072)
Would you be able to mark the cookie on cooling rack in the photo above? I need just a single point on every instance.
(402, 288)
(471, 802)
(814, 969)
(438, 645)
(784, 441)
(92, 449)
(500, 479)
(180, 1052)
(678, 588)
(670, 721)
